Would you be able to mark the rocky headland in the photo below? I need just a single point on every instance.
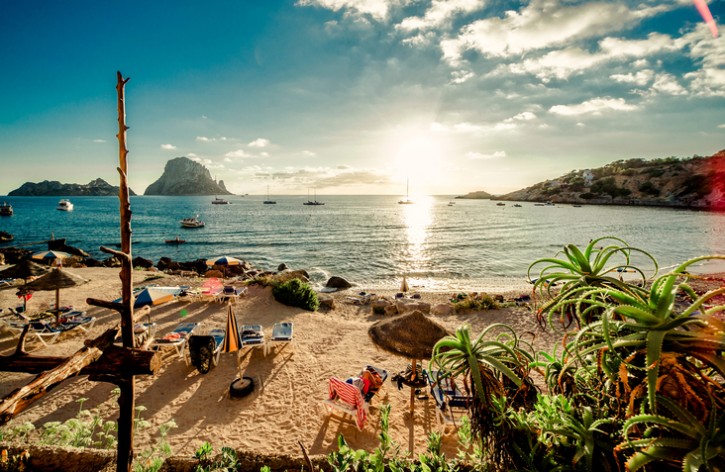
(182, 176)
(53, 188)
(696, 182)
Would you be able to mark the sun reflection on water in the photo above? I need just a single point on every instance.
(417, 219)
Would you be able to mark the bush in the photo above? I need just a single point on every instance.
(649, 188)
(296, 293)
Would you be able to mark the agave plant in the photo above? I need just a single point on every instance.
(581, 270)
(679, 439)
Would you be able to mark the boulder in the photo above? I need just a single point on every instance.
(14, 255)
(381, 305)
(286, 275)
(326, 301)
(166, 263)
(5, 237)
(213, 273)
(60, 245)
(2, 258)
(338, 283)
(442, 309)
(282, 267)
(391, 310)
(405, 305)
(142, 262)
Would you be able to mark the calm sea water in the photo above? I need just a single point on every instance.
(369, 240)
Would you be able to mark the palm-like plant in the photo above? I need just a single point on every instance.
(581, 270)
(680, 439)
(494, 368)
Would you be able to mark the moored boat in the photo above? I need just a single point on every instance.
(64, 205)
(176, 240)
(6, 209)
(220, 201)
(193, 222)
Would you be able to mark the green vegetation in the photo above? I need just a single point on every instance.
(476, 301)
(649, 188)
(296, 293)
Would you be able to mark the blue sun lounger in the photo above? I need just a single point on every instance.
(282, 333)
(253, 336)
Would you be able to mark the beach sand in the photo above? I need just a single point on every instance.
(290, 381)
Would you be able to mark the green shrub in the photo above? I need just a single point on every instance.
(296, 293)
(649, 188)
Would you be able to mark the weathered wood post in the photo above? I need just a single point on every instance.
(127, 399)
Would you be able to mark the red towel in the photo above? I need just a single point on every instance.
(349, 395)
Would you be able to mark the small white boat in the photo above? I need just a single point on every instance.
(220, 201)
(407, 200)
(193, 222)
(64, 205)
(6, 209)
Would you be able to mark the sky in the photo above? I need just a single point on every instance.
(356, 96)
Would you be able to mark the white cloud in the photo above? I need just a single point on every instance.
(668, 84)
(440, 12)
(523, 116)
(477, 155)
(203, 139)
(259, 143)
(205, 162)
(100, 141)
(460, 76)
(238, 154)
(309, 153)
(377, 9)
(541, 24)
(640, 78)
(709, 54)
(594, 106)
(655, 43)
(721, 125)
(168, 147)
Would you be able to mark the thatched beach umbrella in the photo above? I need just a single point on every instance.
(51, 257)
(412, 335)
(55, 280)
(24, 270)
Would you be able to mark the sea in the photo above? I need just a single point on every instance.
(439, 243)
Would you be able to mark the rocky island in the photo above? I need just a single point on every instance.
(48, 188)
(182, 176)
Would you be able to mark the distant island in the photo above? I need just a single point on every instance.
(182, 176)
(696, 182)
(47, 188)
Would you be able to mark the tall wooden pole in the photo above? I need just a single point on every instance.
(126, 400)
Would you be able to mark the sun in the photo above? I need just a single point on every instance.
(415, 152)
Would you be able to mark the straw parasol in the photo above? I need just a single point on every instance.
(24, 270)
(55, 280)
(404, 285)
(412, 335)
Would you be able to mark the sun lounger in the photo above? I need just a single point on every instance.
(176, 339)
(77, 319)
(253, 336)
(204, 350)
(232, 294)
(450, 400)
(348, 398)
(282, 333)
(43, 332)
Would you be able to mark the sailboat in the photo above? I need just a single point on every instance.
(407, 200)
(310, 202)
(269, 201)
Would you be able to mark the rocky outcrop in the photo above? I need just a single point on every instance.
(182, 176)
(53, 188)
(480, 195)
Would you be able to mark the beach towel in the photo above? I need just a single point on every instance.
(349, 395)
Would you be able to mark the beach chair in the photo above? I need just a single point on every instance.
(451, 402)
(352, 397)
(77, 319)
(253, 336)
(282, 333)
(231, 294)
(205, 350)
(347, 399)
(176, 339)
(45, 333)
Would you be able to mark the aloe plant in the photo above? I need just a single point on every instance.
(583, 269)
(679, 439)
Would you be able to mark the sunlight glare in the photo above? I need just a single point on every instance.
(417, 153)
(417, 219)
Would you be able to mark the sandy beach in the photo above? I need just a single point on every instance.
(290, 381)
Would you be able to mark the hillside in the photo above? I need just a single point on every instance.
(53, 188)
(697, 182)
(182, 176)
(479, 195)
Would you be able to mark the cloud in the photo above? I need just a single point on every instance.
(667, 84)
(377, 9)
(239, 153)
(99, 141)
(709, 53)
(201, 160)
(478, 156)
(594, 106)
(203, 139)
(461, 76)
(523, 116)
(168, 147)
(722, 125)
(259, 143)
(308, 153)
(640, 78)
(440, 12)
(542, 24)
